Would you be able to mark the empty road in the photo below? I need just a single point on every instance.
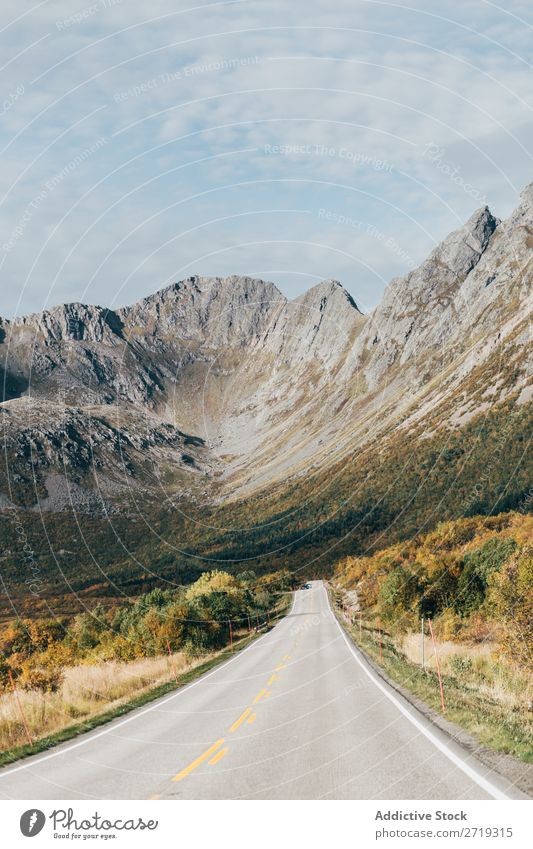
(297, 715)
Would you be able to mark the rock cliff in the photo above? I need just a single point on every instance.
(226, 380)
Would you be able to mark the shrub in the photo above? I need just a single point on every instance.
(511, 600)
(479, 565)
(398, 592)
(449, 624)
(37, 677)
(460, 665)
(440, 591)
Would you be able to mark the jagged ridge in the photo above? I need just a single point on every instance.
(275, 387)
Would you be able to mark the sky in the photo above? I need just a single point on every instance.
(295, 141)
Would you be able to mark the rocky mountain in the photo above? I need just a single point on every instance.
(218, 388)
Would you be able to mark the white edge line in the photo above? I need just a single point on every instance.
(472, 773)
(35, 760)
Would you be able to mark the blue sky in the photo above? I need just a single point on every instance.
(142, 143)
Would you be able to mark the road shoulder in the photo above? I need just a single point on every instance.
(518, 773)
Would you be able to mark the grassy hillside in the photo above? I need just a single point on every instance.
(377, 496)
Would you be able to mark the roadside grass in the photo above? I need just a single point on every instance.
(85, 691)
(486, 697)
(92, 695)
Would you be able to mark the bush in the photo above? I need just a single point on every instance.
(511, 600)
(47, 679)
(196, 617)
(478, 566)
(398, 593)
(440, 591)
(450, 625)
(460, 665)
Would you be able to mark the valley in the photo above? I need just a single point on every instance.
(218, 422)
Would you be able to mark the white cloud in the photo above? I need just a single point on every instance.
(371, 82)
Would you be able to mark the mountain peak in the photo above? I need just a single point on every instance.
(274, 386)
(206, 310)
(74, 321)
(480, 227)
(327, 291)
(461, 250)
(197, 288)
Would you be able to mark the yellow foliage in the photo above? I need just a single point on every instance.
(511, 599)
(209, 582)
(437, 561)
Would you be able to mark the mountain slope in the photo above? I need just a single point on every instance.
(222, 397)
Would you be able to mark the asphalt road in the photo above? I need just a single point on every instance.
(297, 715)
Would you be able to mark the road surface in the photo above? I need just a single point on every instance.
(296, 715)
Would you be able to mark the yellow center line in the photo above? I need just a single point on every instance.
(207, 754)
(219, 755)
(240, 720)
(154, 796)
(247, 714)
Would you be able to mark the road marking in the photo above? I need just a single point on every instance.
(135, 714)
(219, 755)
(472, 773)
(240, 720)
(286, 657)
(280, 666)
(154, 796)
(259, 696)
(207, 754)
(248, 714)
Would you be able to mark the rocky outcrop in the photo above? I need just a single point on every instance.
(414, 316)
(210, 312)
(74, 323)
(97, 449)
(319, 325)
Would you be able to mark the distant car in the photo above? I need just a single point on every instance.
(306, 586)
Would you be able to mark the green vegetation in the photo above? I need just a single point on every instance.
(194, 620)
(363, 504)
(90, 665)
(478, 566)
(473, 578)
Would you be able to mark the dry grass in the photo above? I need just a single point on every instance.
(85, 692)
(411, 646)
(476, 665)
(485, 693)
